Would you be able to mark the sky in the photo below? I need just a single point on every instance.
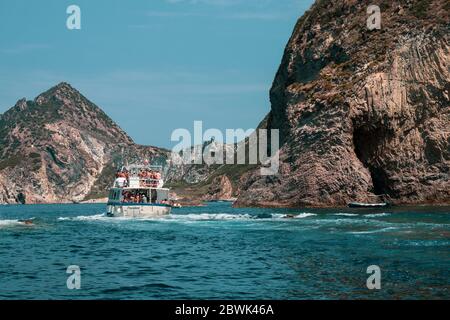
(153, 66)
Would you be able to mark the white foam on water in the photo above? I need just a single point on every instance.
(191, 217)
(171, 217)
(304, 215)
(428, 243)
(227, 216)
(376, 215)
(12, 223)
(6, 223)
(345, 214)
(84, 218)
(96, 217)
(207, 216)
(373, 231)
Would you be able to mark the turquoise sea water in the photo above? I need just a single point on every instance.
(217, 252)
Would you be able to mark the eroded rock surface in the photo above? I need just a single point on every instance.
(361, 113)
(61, 147)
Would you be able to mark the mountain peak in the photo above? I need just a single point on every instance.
(64, 104)
(61, 91)
(66, 144)
(64, 86)
(21, 104)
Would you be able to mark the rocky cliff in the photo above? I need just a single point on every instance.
(361, 113)
(61, 147)
(202, 182)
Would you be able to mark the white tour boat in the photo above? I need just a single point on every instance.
(138, 193)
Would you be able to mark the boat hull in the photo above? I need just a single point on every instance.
(137, 210)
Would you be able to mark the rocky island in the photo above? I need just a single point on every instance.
(361, 112)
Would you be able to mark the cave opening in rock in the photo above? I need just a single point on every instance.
(21, 198)
(368, 144)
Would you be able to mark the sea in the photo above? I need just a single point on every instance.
(74, 251)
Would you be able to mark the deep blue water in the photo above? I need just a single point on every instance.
(217, 252)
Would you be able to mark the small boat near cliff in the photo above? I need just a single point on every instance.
(138, 192)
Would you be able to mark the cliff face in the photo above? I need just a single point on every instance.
(361, 113)
(220, 189)
(61, 148)
(204, 182)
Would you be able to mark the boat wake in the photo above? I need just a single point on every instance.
(377, 215)
(15, 222)
(227, 216)
(9, 223)
(193, 217)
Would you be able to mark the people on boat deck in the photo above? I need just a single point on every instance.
(121, 180)
(149, 178)
(139, 197)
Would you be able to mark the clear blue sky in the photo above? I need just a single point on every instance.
(175, 61)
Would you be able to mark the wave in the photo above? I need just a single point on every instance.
(101, 216)
(376, 215)
(374, 231)
(7, 223)
(208, 216)
(14, 222)
(345, 214)
(193, 217)
(198, 217)
(304, 215)
(227, 216)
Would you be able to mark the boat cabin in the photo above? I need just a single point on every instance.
(131, 195)
(139, 184)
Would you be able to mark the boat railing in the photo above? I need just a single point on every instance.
(135, 182)
(137, 168)
(142, 175)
